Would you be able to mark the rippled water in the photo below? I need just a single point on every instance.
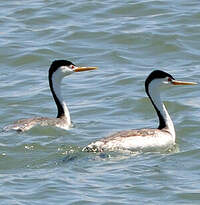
(126, 40)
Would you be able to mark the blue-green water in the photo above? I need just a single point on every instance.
(126, 40)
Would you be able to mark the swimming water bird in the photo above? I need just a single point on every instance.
(160, 139)
(57, 71)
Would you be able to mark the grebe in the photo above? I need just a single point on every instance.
(160, 139)
(57, 71)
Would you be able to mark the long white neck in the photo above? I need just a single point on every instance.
(63, 111)
(163, 115)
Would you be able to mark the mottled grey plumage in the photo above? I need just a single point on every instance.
(26, 124)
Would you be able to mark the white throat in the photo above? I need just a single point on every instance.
(56, 82)
(155, 96)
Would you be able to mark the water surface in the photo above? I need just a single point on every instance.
(126, 40)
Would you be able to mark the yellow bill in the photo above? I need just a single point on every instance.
(80, 69)
(176, 82)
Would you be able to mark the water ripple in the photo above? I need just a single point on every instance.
(126, 41)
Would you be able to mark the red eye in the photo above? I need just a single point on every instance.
(72, 66)
(169, 79)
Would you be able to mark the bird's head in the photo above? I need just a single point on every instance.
(158, 78)
(63, 68)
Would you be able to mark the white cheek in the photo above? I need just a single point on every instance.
(166, 82)
(66, 71)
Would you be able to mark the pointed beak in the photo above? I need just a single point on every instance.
(176, 82)
(80, 69)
